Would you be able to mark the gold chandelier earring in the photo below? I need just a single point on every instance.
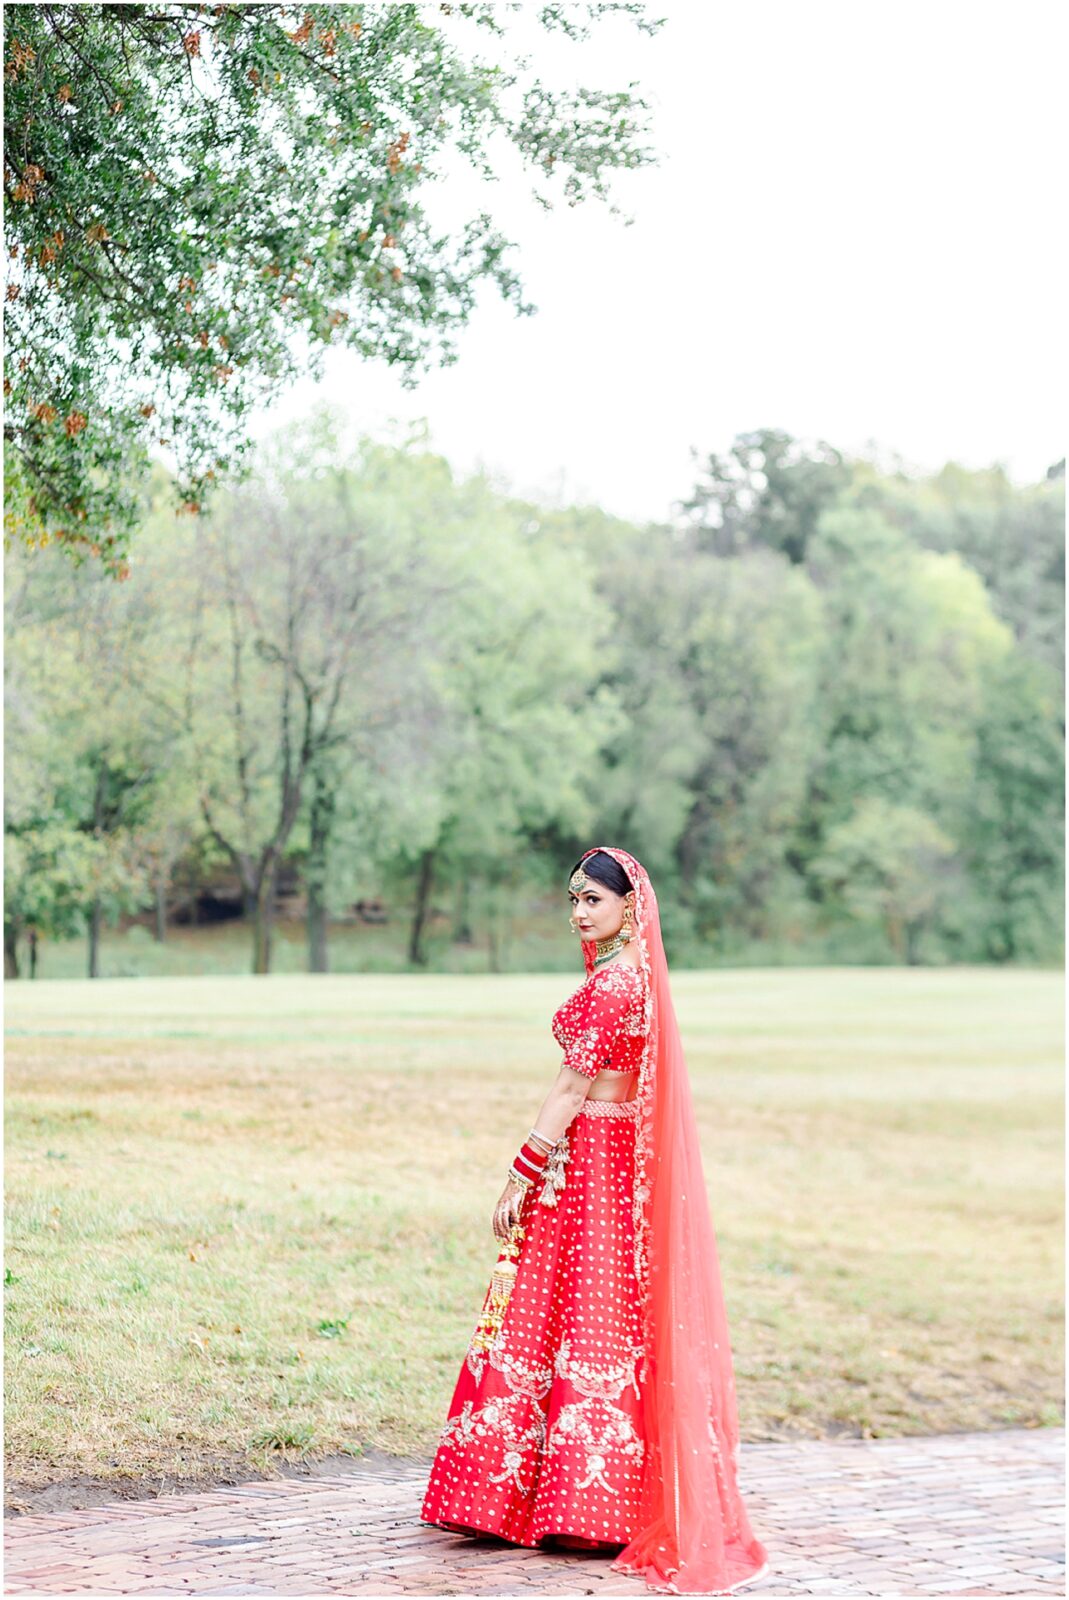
(626, 930)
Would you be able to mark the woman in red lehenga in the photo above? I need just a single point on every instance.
(596, 1404)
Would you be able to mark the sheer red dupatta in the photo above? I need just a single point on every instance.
(694, 1536)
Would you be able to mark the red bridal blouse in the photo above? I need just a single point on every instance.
(601, 1026)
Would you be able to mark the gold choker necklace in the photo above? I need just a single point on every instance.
(605, 949)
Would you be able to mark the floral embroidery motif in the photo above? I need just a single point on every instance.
(616, 1435)
(513, 1462)
(498, 1419)
(475, 1363)
(532, 1381)
(602, 1383)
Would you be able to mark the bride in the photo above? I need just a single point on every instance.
(596, 1405)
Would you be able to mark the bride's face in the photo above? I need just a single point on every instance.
(598, 911)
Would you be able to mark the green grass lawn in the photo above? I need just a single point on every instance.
(253, 1215)
(537, 943)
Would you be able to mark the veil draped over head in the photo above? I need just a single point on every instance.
(694, 1536)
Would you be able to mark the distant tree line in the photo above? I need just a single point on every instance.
(822, 705)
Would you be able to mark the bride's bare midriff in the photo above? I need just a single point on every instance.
(614, 1085)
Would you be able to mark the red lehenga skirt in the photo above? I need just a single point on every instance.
(544, 1436)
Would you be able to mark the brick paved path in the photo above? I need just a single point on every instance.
(957, 1514)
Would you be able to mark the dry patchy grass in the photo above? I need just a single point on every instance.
(252, 1216)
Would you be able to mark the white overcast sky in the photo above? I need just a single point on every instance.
(853, 233)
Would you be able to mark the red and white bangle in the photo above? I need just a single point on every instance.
(531, 1160)
(528, 1163)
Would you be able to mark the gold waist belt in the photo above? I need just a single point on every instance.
(609, 1108)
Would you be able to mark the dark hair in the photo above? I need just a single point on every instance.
(605, 870)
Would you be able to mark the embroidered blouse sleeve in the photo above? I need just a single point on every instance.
(596, 1014)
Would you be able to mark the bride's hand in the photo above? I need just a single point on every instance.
(508, 1208)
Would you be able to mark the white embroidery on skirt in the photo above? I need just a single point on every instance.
(498, 1419)
(615, 1435)
(475, 1361)
(532, 1381)
(601, 1383)
(513, 1463)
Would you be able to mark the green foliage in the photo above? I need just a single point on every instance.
(201, 200)
(93, 774)
(1012, 837)
(810, 749)
(768, 489)
(907, 635)
(1014, 538)
(51, 868)
(889, 864)
(406, 685)
(716, 666)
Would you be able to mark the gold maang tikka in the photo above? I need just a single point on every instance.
(605, 948)
(576, 883)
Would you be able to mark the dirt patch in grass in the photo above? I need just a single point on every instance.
(80, 1490)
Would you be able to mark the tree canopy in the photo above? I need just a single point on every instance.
(359, 676)
(202, 198)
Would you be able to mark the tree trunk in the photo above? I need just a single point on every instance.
(263, 917)
(1004, 948)
(99, 796)
(11, 949)
(317, 932)
(194, 895)
(319, 829)
(896, 936)
(161, 906)
(417, 955)
(95, 918)
(462, 916)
